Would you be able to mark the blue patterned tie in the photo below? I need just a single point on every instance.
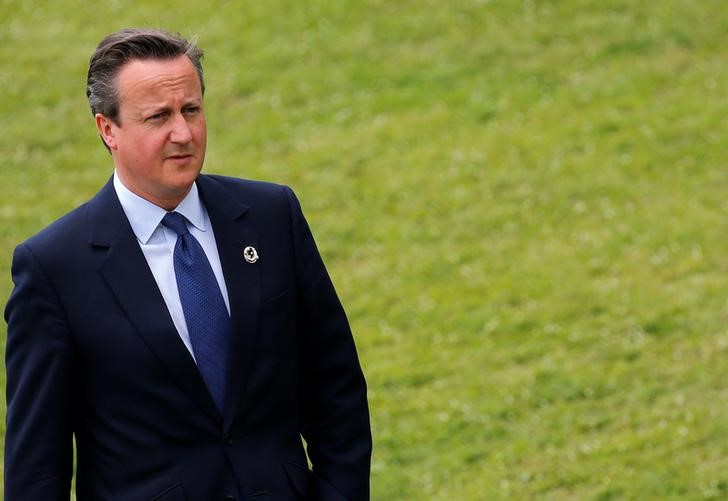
(204, 308)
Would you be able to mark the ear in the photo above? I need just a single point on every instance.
(106, 128)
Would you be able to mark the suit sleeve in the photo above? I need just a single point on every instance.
(39, 361)
(333, 407)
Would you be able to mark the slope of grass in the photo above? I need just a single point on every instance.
(522, 205)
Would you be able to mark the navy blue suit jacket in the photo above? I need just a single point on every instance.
(92, 352)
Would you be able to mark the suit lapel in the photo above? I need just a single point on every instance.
(126, 272)
(242, 280)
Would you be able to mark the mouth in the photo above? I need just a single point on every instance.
(180, 157)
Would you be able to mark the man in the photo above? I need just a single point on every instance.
(182, 327)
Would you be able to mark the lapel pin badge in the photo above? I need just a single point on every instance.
(250, 254)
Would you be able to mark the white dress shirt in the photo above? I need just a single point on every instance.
(157, 243)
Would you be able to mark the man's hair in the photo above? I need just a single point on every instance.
(126, 45)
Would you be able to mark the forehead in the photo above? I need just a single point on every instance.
(141, 80)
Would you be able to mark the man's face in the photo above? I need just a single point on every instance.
(158, 145)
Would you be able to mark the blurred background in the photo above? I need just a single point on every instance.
(522, 205)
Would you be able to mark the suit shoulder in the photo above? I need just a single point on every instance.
(252, 192)
(248, 185)
(70, 226)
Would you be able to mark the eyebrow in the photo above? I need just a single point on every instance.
(160, 108)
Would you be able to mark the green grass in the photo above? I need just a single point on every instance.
(522, 203)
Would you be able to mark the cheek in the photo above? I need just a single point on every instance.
(150, 145)
(201, 134)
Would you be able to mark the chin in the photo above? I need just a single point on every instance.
(181, 174)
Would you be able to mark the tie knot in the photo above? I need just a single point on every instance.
(175, 222)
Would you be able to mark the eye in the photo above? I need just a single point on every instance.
(190, 109)
(156, 116)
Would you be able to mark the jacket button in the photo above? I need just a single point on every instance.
(228, 440)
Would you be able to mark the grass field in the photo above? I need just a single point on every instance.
(523, 205)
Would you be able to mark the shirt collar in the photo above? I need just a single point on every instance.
(144, 217)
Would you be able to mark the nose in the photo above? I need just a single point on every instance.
(180, 133)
